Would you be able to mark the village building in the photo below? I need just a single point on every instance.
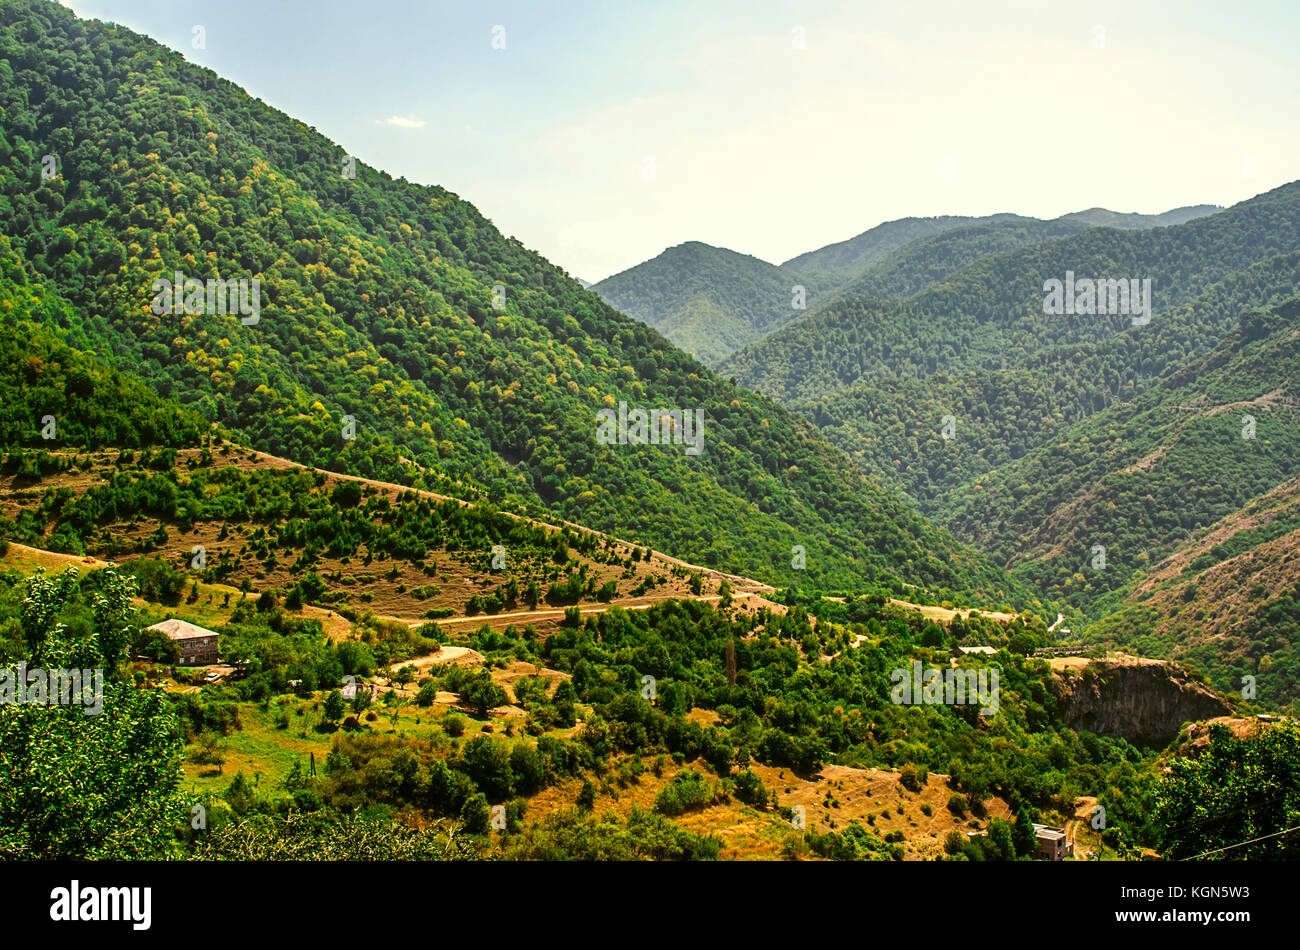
(198, 645)
(350, 690)
(1053, 843)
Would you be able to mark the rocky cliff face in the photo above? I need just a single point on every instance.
(1145, 701)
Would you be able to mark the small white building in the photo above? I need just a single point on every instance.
(350, 690)
(1053, 843)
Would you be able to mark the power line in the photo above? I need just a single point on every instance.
(1281, 794)
(1240, 844)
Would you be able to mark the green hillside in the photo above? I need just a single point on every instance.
(1227, 599)
(1104, 218)
(711, 301)
(326, 474)
(990, 313)
(844, 260)
(892, 426)
(55, 395)
(921, 263)
(467, 363)
(1139, 477)
(708, 300)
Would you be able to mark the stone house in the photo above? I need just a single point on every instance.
(198, 645)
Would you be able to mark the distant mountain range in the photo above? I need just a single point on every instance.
(926, 355)
(713, 302)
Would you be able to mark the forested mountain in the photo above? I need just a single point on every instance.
(1140, 476)
(843, 262)
(1227, 600)
(361, 485)
(1035, 437)
(893, 425)
(1102, 218)
(926, 261)
(839, 262)
(711, 301)
(51, 388)
(466, 363)
(708, 300)
(990, 314)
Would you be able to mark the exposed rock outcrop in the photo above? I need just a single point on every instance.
(1144, 701)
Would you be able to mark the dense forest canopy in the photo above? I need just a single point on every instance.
(711, 301)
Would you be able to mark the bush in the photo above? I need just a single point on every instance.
(479, 692)
(750, 790)
(856, 843)
(453, 724)
(158, 580)
(909, 778)
(688, 790)
(475, 816)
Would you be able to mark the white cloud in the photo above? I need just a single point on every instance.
(403, 122)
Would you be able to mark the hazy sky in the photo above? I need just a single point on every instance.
(603, 133)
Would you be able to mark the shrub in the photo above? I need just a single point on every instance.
(688, 790)
(909, 779)
(475, 815)
(453, 724)
(750, 790)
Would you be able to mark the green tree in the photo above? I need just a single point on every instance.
(334, 708)
(240, 795)
(76, 786)
(1001, 835)
(480, 693)
(1235, 791)
(475, 815)
(1022, 832)
(360, 701)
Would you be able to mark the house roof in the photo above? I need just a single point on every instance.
(175, 629)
